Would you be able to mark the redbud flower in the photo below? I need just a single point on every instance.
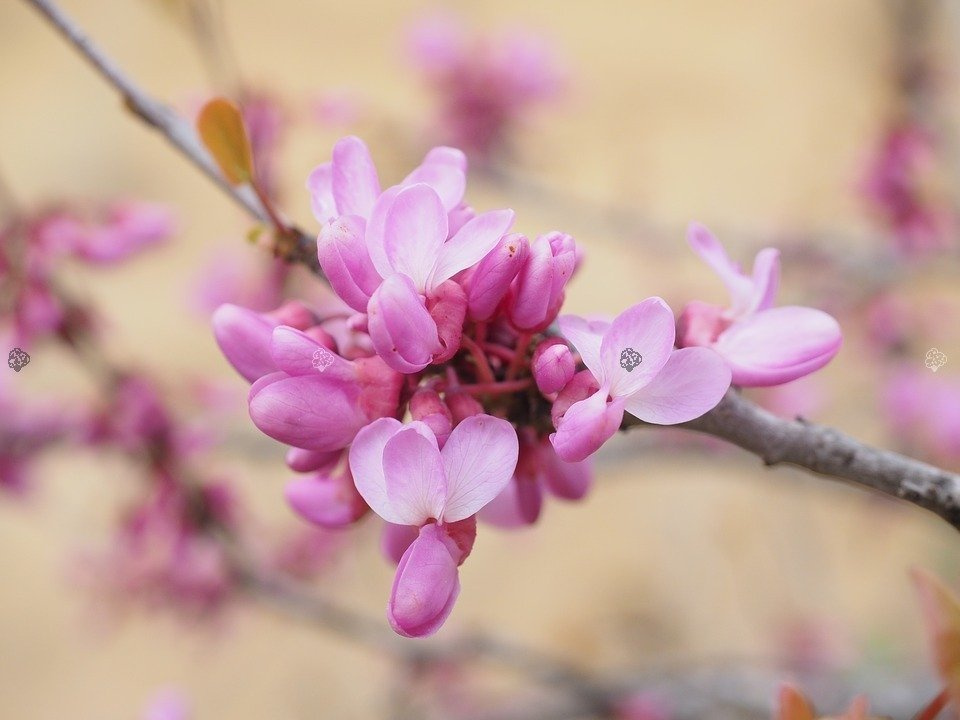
(327, 499)
(538, 290)
(244, 336)
(490, 281)
(638, 371)
(762, 345)
(552, 365)
(407, 480)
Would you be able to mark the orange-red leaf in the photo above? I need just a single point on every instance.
(793, 705)
(221, 128)
(941, 614)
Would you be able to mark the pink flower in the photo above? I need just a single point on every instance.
(538, 290)
(327, 499)
(486, 85)
(763, 345)
(408, 480)
(319, 406)
(391, 254)
(638, 371)
(552, 365)
(244, 336)
(128, 228)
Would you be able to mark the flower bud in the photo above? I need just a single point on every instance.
(346, 262)
(491, 280)
(426, 585)
(426, 406)
(538, 290)
(462, 406)
(327, 500)
(448, 308)
(553, 366)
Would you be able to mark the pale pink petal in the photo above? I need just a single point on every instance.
(395, 539)
(401, 329)
(244, 338)
(692, 382)
(330, 501)
(583, 335)
(706, 245)
(414, 475)
(376, 225)
(343, 255)
(471, 244)
(490, 282)
(779, 345)
(586, 426)
(479, 459)
(355, 183)
(320, 187)
(366, 466)
(443, 169)
(415, 229)
(518, 505)
(636, 346)
(426, 586)
(303, 461)
(766, 279)
(567, 480)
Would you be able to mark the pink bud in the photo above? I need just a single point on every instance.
(448, 308)
(426, 585)
(426, 406)
(379, 387)
(322, 337)
(491, 280)
(538, 290)
(462, 406)
(304, 461)
(346, 262)
(244, 338)
(293, 313)
(699, 324)
(395, 539)
(327, 500)
(401, 329)
(553, 366)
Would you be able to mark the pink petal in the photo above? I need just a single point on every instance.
(296, 353)
(692, 382)
(342, 252)
(518, 505)
(490, 282)
(366, 466)
(376, 226)
(314, 413)
(415, 482)
(567, 480)
(479, 459)
(471, 244)
(244, 338)
(552, 365)
(416, 226)
(706, 245)
(646, 330)
(766, 279)
(355, 183)
(303, 461)
(401, 329)
(426, 586)
(443, 169)
(325, 500)
(585, 336)
(320, 187)
(586, 426)
(779, 345)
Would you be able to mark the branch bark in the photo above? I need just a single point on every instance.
(176, 130)
(829, 452)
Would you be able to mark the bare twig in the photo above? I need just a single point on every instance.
(829, 452)
(177, 131)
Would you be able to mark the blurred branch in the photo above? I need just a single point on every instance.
(829, 452)
(176, 129)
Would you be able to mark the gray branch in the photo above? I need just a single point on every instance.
(829, 452)
(171, 125)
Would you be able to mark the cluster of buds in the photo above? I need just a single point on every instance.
(448, 387)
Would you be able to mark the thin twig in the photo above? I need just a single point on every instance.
(829, 452)
(177, 130)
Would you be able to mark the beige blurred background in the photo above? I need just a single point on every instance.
(751, 116)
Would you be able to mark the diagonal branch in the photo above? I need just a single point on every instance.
(829, 452)
(174, 128)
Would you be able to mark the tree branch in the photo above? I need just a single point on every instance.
(175, 129)
(829, 452)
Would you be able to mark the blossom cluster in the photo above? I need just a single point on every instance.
(448, 387)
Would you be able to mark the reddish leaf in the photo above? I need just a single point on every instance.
(941, 614)
(221, 128)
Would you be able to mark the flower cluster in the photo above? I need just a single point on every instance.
(485, 84)
(450, 322)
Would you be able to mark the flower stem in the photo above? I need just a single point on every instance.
(519, 357)
(484, 373)
(496, 388)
